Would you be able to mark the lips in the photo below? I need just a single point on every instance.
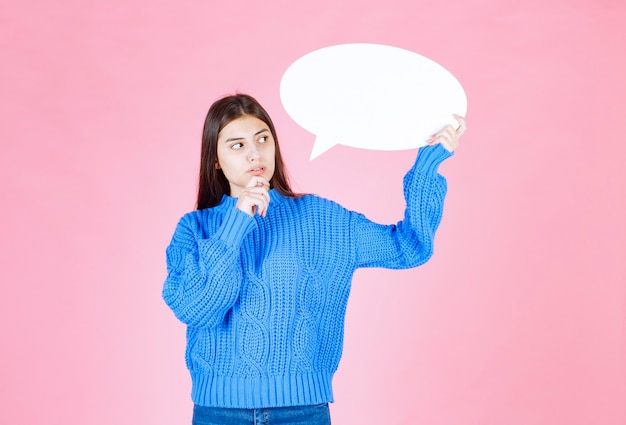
(256, 171)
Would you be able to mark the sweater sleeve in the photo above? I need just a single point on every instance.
(409, 243)
(204, 275)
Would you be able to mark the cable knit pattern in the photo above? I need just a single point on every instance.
(264, 298)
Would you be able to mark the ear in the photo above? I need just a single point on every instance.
(217, 165)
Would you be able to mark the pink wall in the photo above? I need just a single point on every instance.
(520, 318)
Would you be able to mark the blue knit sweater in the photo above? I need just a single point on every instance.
(264, 298)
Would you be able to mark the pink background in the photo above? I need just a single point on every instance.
(520, 317)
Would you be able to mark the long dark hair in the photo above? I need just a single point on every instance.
(213, 185)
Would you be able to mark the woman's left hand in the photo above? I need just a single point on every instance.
(449, 136)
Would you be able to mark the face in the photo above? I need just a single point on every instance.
(245, 148)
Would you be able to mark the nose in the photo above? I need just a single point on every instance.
(253, 153)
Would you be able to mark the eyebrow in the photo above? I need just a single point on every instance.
(233, 139)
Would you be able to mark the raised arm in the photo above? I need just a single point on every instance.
(409, 243)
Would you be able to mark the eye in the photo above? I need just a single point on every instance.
(236, 146)
(263, 139)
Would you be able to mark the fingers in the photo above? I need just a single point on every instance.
(253, 203)
(258, 181)
(462, 125)
(449, 137)
(255, 198)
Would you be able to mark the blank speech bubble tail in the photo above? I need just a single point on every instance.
(320, 146)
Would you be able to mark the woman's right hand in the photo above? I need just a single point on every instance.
(254, 198)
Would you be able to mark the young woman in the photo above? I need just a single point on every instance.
(261, 275)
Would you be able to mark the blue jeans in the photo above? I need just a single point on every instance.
(318, 414)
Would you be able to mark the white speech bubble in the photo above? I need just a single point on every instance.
(370, 96)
